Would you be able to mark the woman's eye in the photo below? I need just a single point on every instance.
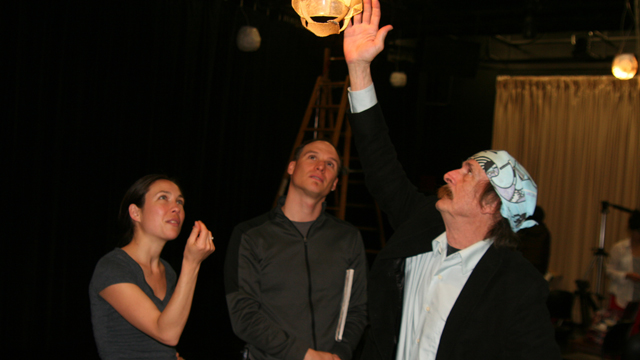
(162, 197)
(181, 202)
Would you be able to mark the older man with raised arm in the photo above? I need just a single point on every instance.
(448, 285)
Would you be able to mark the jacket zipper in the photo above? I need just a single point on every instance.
(313, 318)
(306, 260)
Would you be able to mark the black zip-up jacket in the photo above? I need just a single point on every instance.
(284, 291)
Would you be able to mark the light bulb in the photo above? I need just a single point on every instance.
(624, 66)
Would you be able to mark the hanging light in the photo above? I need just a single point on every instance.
(323, 17)
(398, 79)
(625, 66)
(248, 39)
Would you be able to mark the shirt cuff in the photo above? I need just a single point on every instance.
(363, 99)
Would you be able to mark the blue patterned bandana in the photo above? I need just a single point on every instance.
(513, 183)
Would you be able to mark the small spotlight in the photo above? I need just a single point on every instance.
(625, 66)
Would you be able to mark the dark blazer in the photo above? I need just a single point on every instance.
(501, 311)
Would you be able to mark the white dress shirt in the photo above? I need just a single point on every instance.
(362, 100)
(433, 282)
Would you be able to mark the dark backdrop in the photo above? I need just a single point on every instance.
(102, 93)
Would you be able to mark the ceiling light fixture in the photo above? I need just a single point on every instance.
(323, 17)
(625, 65)
(248, 39)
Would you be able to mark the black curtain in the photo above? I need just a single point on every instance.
(102, 93)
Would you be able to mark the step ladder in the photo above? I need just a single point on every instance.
(325, 119)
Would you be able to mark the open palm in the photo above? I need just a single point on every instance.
(362, 38)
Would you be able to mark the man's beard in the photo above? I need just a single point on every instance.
(445, 192)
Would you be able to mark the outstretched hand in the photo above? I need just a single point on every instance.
(363, 40)
(199, 245)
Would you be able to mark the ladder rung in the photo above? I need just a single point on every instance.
(332, 106)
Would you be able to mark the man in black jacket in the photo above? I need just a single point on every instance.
(448, 285)
(285, 270)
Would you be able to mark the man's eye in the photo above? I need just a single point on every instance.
(181, 202)
(331, 164)
(162, 197)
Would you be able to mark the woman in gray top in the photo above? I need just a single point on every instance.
(138, 309)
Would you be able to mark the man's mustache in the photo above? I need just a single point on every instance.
(445, 191)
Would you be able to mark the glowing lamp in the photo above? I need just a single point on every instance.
(624, 66)
(323, 17)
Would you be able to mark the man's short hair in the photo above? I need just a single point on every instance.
(501, 232)
(298, 152)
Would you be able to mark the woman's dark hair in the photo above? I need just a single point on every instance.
(501, 232)
(136, 195)
(634, 220)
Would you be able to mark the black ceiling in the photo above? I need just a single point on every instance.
(491, 17)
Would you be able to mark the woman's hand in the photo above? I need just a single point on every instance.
(199, 245)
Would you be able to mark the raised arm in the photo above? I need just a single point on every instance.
(384, 176)
(139, 310)
(363, 41)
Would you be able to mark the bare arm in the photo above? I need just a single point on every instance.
(363, 41)
(139, 310)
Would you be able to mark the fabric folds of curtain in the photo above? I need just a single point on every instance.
(579, 138)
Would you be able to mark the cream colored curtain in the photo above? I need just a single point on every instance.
(579, 138)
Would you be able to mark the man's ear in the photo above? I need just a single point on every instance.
(335, 183)
(134, 212)
(291, 167)
(490, 206)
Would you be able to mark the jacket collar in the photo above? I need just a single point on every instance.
(277, 213)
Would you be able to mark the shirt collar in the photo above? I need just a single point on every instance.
(469, 256)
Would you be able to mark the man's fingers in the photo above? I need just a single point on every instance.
(357, 19)
(376, 14)
(366, 11)
(382, 34)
